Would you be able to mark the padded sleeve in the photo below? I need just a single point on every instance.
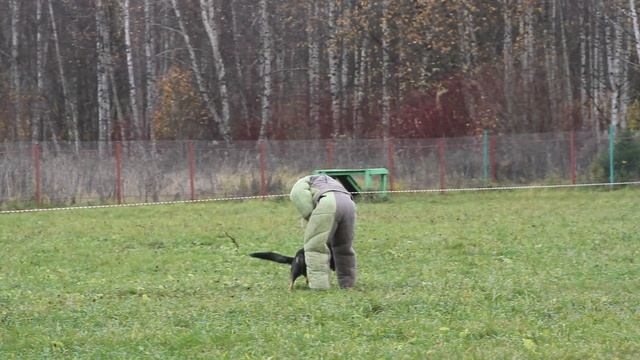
(302, 198)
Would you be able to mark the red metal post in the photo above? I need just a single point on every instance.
(36, 162)
(572, 157)
(263, 179)
(441, 165)
(192, 171)
(118, 155)
(330, 149)
(390, 152)
(492, 158)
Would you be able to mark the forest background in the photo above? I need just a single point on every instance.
(115, 70)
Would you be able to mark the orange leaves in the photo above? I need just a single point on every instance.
(179, 113)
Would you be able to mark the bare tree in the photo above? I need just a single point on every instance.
(386, 70)
(634, 23)
(103, 46)
(150, 65)
(131, 71)
(16, 89)
(40, 94)
(208, 13)
(204, 93)
(314, 67)
(507, 57)
(334, 79)
(70, 101)
(266, 54)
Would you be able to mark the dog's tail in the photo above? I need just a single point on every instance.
(273, 257)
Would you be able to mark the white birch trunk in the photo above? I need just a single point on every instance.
(102, 48)
(551, 63)
(359, 87)
(507, 58)
(208, 13)
(584, 80)
(133, 89)
(636, 30)
(204, 93)
(150, 65)
(468, 50)
(16, 91)
(568, 88)
(614, 39)
(314, 69)
(334, 64)
(39, 108)
(70, 99)
(528, 64)
(344, 67)
(597, 82)
(386, 71)
(266, 54)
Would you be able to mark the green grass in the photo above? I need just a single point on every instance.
(496, 275)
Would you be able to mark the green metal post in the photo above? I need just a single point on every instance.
(485, 155)
(612, 145)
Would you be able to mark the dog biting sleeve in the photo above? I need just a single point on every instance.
(302, 197)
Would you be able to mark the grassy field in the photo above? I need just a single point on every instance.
(548, 274)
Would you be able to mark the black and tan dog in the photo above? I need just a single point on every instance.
(298, 264)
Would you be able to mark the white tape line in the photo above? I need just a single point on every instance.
(142, 204)
(528, 187)
(524, 187)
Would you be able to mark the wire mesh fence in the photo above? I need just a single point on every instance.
(53, 174)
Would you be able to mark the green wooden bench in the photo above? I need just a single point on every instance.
(345, 176)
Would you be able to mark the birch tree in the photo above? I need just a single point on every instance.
(334, 79)
(528, 62)
(507, 56)
(131, 71)
(386, 70)
(70, 102)
(314, 68)
(204, 93)
(359, 87)
(40, 94)
(614, 40)
(150, 65)
(568, 88)
(636, 30)
(102, 49)
(585, 115)
(16, 90)
(266, 54)
(208, 13)
(551, 65)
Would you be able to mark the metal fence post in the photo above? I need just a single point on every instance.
(118, 156)
(330, 149)
(192, 171)
(36, 162)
